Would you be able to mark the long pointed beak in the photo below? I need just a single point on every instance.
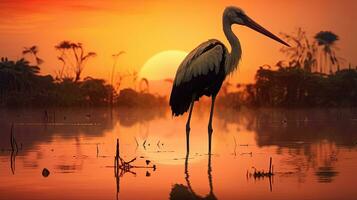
(255, 26)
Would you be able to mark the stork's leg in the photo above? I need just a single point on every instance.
(210, 130)
(188, 127)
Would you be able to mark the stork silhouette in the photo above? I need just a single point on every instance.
(204, 69)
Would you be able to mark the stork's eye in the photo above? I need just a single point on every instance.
(240, 15)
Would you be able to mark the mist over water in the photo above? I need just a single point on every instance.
(314, 154)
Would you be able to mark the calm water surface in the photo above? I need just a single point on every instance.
(314, 154)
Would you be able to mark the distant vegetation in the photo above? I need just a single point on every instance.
(311, 77)
(73, 56)
(22, 85)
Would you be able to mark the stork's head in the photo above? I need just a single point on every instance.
(235, 15)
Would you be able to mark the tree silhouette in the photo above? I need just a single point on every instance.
(95, 90)
(17, 77)
(60, 58)
(326, 41)
(302, 53)
(115, 57)
(73, 54)
(33, 50)
(144, 85)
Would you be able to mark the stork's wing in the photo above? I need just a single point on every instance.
(195, 73)
(204, 58)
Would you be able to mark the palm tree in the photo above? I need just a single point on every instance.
(302, 53)
(17, 78)
(326, 40)
(73, 54)
(26, 75)
(33, 50)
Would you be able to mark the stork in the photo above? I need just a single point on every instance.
(204, 69)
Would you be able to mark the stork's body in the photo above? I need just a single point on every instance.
(204, 76)
(204, 69)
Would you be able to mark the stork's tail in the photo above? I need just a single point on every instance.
(180, 99)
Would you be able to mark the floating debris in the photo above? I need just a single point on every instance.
(261, 174)
(284, 121)
(247, 153)
(45, 172)
(121, 166)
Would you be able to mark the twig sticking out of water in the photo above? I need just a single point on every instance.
(144, 144)
(235, 146)
(14, 149)
(116, 168)
(13, 142)
(261, 174)
(270, 166)
(117, 157)
(13, 162)
(125, 166)
(97, 151)
(11, 138)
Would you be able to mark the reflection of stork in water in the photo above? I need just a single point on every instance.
(180, 191)
(203, 71)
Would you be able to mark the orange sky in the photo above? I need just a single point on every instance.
(144, 28)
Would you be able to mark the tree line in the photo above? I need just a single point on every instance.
(21, 83)
(312, 76)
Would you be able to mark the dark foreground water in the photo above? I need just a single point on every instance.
(314, 154)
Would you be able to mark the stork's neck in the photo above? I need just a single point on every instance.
(236, 50)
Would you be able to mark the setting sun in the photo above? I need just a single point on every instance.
(178, 100)
(162, 65)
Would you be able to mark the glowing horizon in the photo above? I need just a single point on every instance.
(143, 29)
